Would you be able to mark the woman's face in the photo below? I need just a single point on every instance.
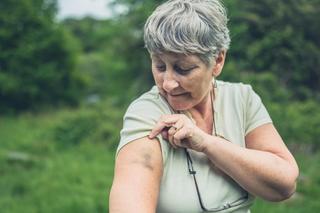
(183, 80)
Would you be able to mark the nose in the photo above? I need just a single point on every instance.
(169, 82)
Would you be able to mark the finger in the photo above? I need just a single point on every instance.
(157, 129)
(180, 136)
(171, 133)
(172, 130)
(184, 133)
(165, 121)
(167, 134)
(177, 142)
(179, 124)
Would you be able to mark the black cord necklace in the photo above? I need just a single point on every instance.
(192, 172)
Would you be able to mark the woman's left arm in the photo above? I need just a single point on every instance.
(265, 167)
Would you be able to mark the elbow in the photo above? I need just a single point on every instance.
(288, 189)
(291, 183)
(286, 193)
(280, 194)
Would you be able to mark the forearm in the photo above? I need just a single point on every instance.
(261, 173)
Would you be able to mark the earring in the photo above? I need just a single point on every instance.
(214, 82)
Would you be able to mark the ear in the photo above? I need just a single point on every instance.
(219, 62)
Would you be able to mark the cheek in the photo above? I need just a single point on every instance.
(192, 84)
(158, 78)
(199, 85)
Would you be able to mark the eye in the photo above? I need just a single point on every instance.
(161, 68)
(183, 71)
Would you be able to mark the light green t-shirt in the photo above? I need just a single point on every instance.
(237, 111)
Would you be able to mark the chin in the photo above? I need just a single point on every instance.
(180, 102)
(180, 105)
(183, 104)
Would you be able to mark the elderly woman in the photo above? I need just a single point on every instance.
(194, 143)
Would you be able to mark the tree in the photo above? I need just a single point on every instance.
(281, 37)
(129, 38)
(37, 57)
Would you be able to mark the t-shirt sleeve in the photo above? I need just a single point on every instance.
(256, 113)
(138, 122)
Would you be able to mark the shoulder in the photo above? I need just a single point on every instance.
(140, 118)
(235, 92)
(234, 87)
(247, 103)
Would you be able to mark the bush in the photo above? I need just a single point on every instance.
(37, 57)
(297, 122)
(100, 124)
(267, 36)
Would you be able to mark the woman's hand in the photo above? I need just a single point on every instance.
(180, 131)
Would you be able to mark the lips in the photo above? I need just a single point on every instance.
(175, 95)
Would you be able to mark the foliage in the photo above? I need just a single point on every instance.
(99, 124)
(93, 34)
(281, 38)
(105, 57)
(49, 165)
(298, 122)
(37, 57)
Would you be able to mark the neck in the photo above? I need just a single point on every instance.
(204, 108)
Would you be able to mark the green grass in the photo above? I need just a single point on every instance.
(40, 175)
(77, 180)
(40, 171)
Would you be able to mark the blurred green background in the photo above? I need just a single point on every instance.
(65, 85)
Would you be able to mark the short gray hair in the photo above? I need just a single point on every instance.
(188, 27)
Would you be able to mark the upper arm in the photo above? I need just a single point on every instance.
(259, 130)
(137, 177)
(266, 138)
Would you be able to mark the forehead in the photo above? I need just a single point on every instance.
(176, 57)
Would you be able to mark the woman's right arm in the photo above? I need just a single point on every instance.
(137, 177)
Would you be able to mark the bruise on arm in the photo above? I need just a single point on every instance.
(144, 158)
(142, 153)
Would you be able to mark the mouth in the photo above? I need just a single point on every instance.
(176, 95)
